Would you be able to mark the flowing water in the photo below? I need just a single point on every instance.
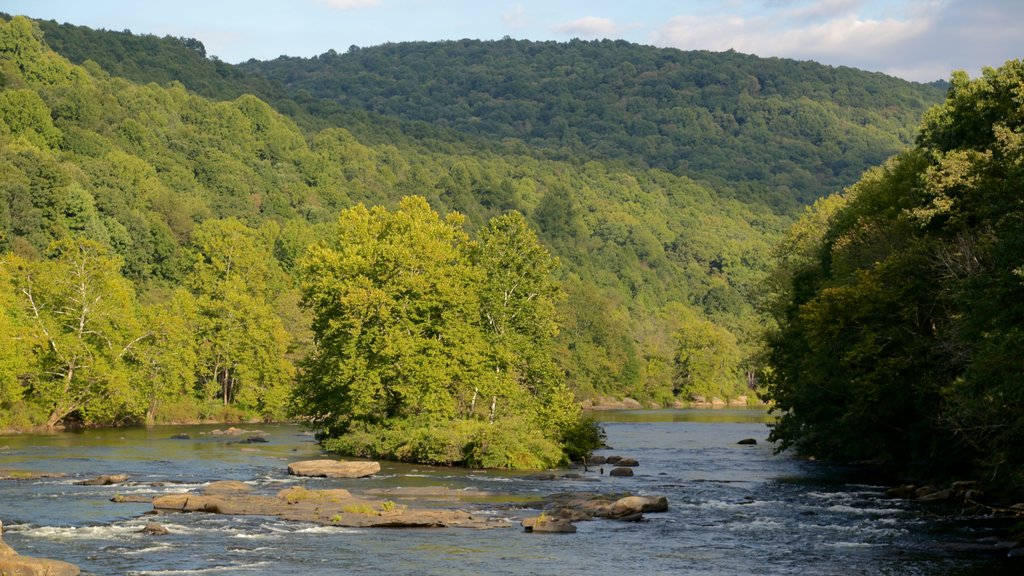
(733, 510)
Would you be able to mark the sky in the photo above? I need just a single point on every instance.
(921, 40)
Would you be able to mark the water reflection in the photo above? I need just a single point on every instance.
(700, 415)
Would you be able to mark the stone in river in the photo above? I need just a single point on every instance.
(548, 525)
(104, 480)
(623, 471)
(334, 468)
(155, 529)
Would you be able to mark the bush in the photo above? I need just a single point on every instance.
(509, 444)
(582, 438)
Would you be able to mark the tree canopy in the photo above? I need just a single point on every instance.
(417, 325)
(901, 303)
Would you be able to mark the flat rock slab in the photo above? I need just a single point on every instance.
(334, 468)
(104, 480)
(332, 507)
(7, 474)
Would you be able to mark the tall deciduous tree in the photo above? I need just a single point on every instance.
(242, 342)
(393, 295)
(85, 321)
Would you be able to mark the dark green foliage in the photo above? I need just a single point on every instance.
(900, 305)
(777, 130)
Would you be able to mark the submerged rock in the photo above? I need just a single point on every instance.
(104, 480)
(155, 529)
(334, 468)
(181, 437)
(335, 507)
(544, 524)
(6, 474)
(622, 471)
(747, 442)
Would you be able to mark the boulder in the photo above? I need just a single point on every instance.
(627, 462)
(747, 442)
(939, 496)
(546, 525)
(623, 471)
(255, 440)
(581, 506)
(633, 505)
(155, 529)
(613, 459)
(334, 468)
(104, 480)
(904, 492)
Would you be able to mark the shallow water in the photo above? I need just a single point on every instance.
(733, 510)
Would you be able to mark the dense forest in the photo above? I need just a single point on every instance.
(775, 130)
(763, 129)
(156, 219)
(900, 303)
(209, 205)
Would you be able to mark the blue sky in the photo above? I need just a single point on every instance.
(920, 40)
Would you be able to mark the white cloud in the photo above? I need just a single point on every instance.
(516, 17)
(589, 27)
(920, 40)
(349, 4)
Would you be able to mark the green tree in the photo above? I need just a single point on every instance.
(900, 308)
(706, 362)
(241, 341)
(85, 321)
(393, 296)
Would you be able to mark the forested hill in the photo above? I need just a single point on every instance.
(187, 216)
(777, 129)
(770, 130)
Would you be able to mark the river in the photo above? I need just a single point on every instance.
(732, 510)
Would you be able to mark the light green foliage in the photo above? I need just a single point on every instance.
(417, 327)
(394, 303)
(14, 354)
(147, 168)
(83, 318)
(900, 310)
(242, 341)
(706, 361)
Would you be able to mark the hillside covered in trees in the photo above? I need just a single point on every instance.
(774, 130)
(763, 129)
(148, 178)
(208, 205)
